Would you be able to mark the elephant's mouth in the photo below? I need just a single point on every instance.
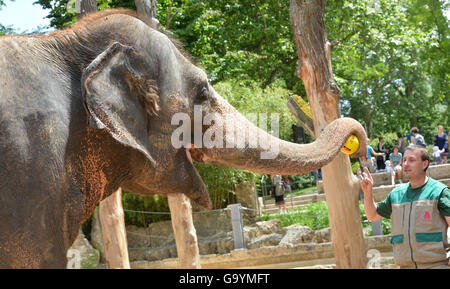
(196, 154)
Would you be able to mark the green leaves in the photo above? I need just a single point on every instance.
(383, 63)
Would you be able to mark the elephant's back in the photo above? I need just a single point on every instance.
(34, 116)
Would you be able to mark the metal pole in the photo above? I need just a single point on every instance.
(377, 228)
(237, 225)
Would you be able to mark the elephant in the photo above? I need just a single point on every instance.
(89, 109)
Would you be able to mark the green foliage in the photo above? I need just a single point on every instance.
(233, 39)
(355, 166)
(299, 182)
(381, 63)
(248, 97)
(314, 215)
(61, 15)
(391, 63)
(221, 182)
(5, 30)
(155, 203)
(390, 140)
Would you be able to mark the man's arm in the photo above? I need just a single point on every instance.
(447, 218)
(369, 204)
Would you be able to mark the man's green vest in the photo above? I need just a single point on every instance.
(419, 231)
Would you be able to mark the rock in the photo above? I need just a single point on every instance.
(160, 253)
(265, 240)
(220, 243)
(246, 196)
(82, 255)
(269, 227)
(296, 234)
(251, 233)
(262, 228)
(322, 236)
(224, 246)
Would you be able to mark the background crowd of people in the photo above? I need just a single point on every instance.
(382, 159)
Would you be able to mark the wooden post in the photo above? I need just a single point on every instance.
(340, 186)
(85, 6)
(147, 8)
(114, 232)
(184, 231)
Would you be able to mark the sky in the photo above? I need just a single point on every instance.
(23, 16)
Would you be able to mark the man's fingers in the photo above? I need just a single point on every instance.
(369, 176)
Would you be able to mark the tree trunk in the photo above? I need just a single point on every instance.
(85, 6)
(147, 9)
(114, 232)
(179, 204)
(341, 187)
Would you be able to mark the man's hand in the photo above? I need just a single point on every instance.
(369, 205)
(367, 182)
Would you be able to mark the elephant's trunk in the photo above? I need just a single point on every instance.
(272, 155)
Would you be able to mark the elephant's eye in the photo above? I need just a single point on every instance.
(204, 93)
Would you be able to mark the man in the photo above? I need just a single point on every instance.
(419, 211)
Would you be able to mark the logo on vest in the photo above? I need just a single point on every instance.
(426, 217)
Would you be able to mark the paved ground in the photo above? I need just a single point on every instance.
(330, 263)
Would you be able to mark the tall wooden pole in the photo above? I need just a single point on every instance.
(184, 231)
(341, 187)
(85, 6)
(114, 232)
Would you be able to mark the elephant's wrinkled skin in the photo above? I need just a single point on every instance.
(87, 110)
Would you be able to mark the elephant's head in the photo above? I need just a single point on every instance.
(152, 99)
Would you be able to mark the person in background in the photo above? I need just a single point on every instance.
(441, 141)
(396, 158)
(278, 193)
(417, 138)
(383, 151)
(287, 185)
(401, 143)
(436, 155)
(408, 137)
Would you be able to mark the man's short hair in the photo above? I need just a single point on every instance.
(414, 130)
(424, 155)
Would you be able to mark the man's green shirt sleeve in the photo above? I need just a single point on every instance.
(444, 202)
(384, 208)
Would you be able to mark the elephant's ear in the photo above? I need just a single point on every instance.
(110, 101)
